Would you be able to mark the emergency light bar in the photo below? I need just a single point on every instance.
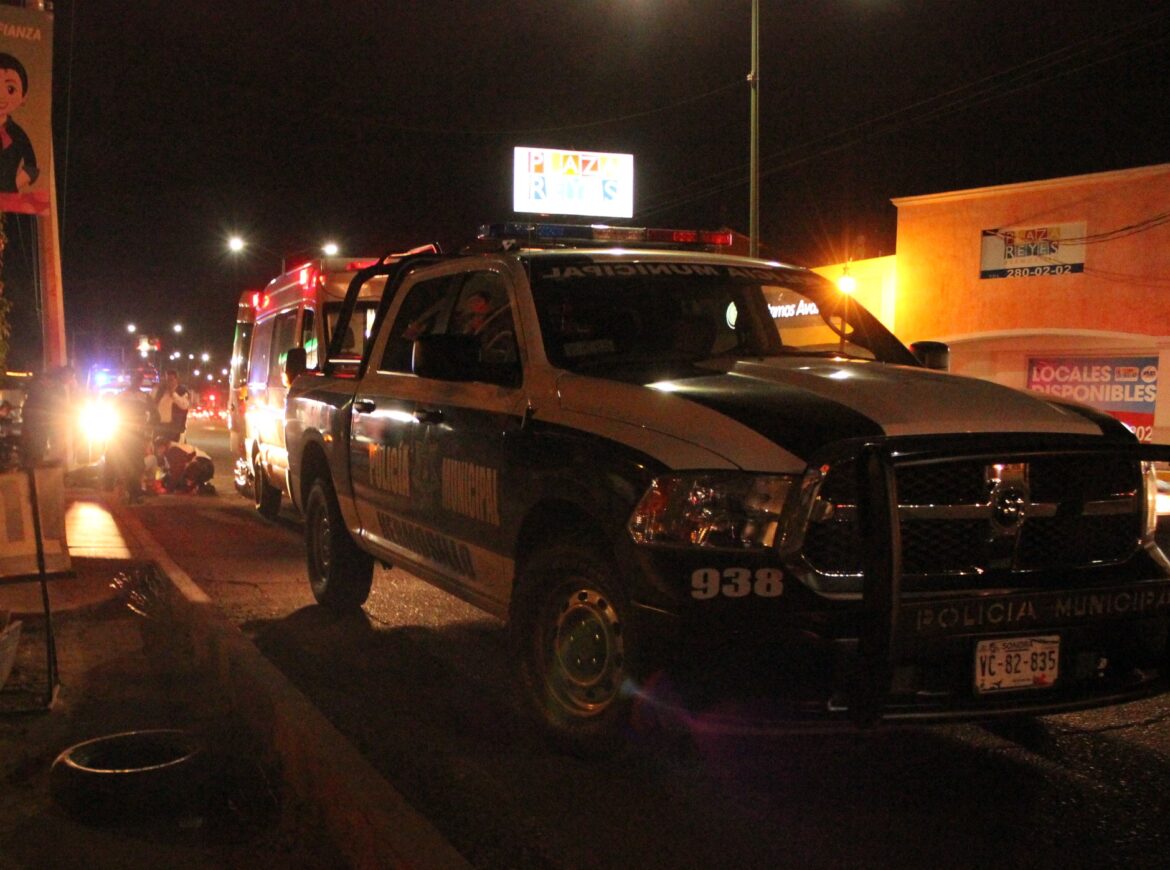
(594, 233)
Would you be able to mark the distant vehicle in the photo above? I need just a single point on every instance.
(97, 418)
(13, 389)
(659, 461)
(103, 381)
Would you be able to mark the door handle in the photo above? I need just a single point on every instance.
(364, 406)
(428, 415)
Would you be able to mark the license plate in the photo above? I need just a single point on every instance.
(1011, 663)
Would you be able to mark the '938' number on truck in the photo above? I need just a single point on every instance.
(737, 582)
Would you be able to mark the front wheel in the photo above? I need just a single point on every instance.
(340, 574)
(573, 648)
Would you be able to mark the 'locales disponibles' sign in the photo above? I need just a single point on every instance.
(1124, 387)
(1023, 252)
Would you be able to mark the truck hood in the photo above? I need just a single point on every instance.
(801, 404)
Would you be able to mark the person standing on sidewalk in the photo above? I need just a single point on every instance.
(127, 450)
(171, 401)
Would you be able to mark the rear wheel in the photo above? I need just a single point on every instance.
(266, 496)
(340, 574)
(572, 648)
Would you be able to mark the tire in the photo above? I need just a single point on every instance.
(265, 495)
(573, 649)
(135, 774)
(340, 574)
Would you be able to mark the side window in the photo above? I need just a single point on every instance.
(258, 359)
(474, 304)
(284, 335)
(309, 339)
(424, 311)
(485, 312)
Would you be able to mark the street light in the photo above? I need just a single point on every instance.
(131, 328)
(236, 245)
(178, 328)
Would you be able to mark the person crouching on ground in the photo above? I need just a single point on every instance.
(186, 468)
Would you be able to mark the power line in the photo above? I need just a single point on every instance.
(996, 85)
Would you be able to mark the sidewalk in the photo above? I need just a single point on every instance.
(140, 647)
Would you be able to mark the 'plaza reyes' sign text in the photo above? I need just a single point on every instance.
(588, 183)
(1024, 252)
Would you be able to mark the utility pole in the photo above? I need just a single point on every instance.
(52, 291)
(754, 164)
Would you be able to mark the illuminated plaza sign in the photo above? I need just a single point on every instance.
(587, 183)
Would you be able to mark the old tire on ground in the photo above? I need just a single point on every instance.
(340, 574)
(266, 496)
(132, 775)
(572, 648)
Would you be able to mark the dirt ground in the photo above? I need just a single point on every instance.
(126, 665)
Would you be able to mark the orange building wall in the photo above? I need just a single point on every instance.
(1125, 286)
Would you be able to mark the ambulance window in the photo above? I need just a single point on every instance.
(284, 334)
(258, 366)
(309, 339)
(353, 345)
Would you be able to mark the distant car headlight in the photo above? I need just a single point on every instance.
(731, 510)
(99, 421)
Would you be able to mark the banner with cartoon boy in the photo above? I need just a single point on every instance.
(26, 98)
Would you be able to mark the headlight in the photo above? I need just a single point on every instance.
(99, 421)
(712, 510)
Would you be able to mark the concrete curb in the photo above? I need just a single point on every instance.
(369, 822)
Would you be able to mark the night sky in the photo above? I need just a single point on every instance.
(385, 125)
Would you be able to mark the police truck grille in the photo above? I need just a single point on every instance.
(973, 520)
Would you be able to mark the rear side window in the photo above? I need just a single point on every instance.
(309, 339)
(261, 343)
(284, 336)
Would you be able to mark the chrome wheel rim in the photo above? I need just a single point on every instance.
(588, 652)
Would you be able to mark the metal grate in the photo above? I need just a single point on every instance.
(947, 525)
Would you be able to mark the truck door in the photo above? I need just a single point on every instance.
(427, 454)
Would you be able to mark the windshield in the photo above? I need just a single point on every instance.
(602, 313)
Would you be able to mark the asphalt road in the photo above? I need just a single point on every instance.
(419, 684)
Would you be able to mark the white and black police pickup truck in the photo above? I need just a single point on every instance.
(666, 466)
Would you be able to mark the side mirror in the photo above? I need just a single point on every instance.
(445, 357)
(295, 363)
(933, 354)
